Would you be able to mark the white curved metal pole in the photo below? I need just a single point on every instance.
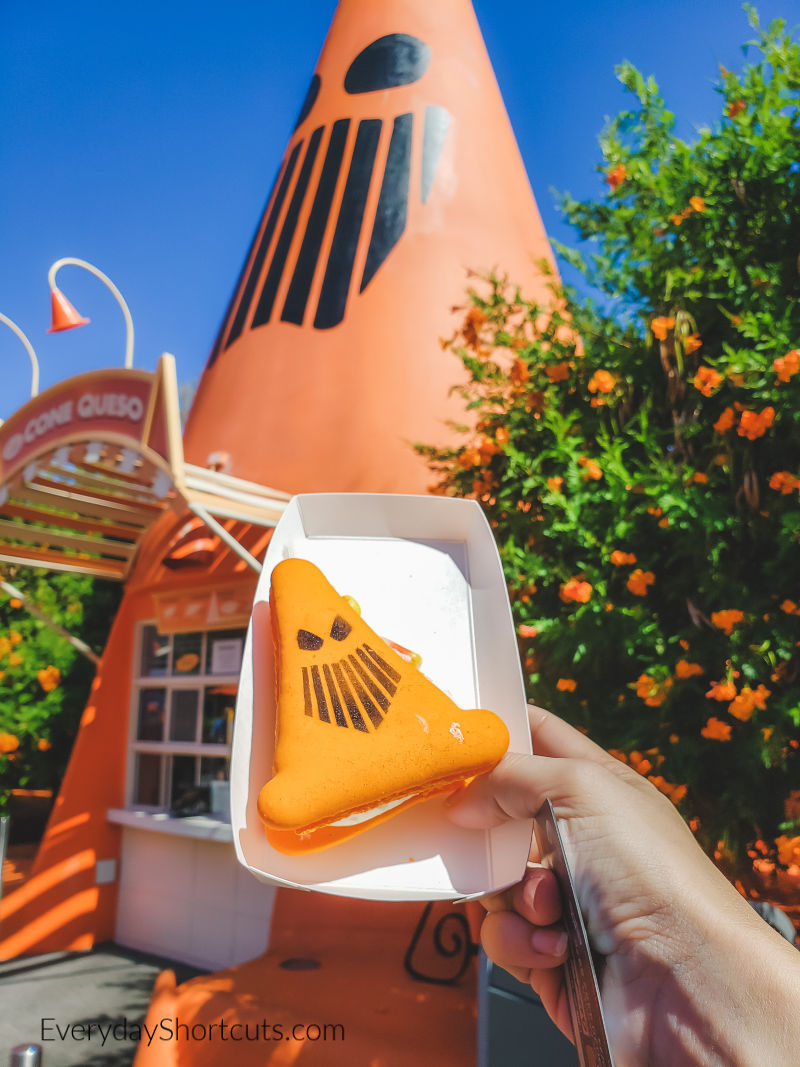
(29, 348)
(72, 262)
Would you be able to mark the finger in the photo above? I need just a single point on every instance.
(552, 736)
(536, 897)
(515, 789)
(512, 942)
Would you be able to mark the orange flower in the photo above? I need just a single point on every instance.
(602, 381)
(788, 850)
(473, 322)
(692, 343)
(14, 659)
(706, 380)
(790, 607)
(8, 743)
(49, 678)
(567, 685)
(661, 326)
(676, 793)
(784, 481)
(653, 692)
(684, 669)
(43, 744)
(559, 372)
(698, 478)
(470, 457)
(716, 730)
(726, 620)
(519, 372)
(639, 762)
(725, 421)
(527, 631)
(555, 484)
(786, 366)
(677, 220)
(722, 691)
(15, 602)
(736, 107)
(639, 580)
(743, 705)
(752, 425)
(620, 559)
(617, 175)
(592, 469)
(575, 590)
(697, 203)
(501, 435)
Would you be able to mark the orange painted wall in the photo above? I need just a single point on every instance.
(334, 408)
(60, 906)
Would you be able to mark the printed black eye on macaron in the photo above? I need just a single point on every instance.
(308, 641)
(340, 628)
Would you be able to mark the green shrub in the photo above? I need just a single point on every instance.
(638, 454)
(44, 681)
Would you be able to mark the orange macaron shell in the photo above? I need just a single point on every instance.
(356, 725)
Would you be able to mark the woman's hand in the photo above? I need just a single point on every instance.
(691, 974)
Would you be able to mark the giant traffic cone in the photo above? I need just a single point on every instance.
(401, 175)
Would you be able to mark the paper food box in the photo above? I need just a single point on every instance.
(426, 574)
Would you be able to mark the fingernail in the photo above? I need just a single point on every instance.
(529, 893)
(549, 942)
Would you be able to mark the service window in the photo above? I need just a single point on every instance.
(183, 697)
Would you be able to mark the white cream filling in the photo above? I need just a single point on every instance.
(363, 816)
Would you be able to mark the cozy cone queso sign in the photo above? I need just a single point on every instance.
(115, 406)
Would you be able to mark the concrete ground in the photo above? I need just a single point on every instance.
(67, 1001)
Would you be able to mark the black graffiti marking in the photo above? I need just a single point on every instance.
(392, 211)
(322, 704)
(335, 286)
(340, 628)
(437, 123)
(396, 59)
(383, 664)
(390, 687)
(349, 699)
(272, 280)
(379, 695)
(338, 713)
(310, 100)
(307, 693)
(294, 307)
(263, 246)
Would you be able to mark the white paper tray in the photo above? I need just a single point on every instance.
(426, 574)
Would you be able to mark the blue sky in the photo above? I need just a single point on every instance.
(144, 138)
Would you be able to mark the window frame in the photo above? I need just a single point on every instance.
(171, 682)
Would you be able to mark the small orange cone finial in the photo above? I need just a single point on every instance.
(63, 316)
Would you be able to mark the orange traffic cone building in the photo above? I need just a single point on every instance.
(401, 176)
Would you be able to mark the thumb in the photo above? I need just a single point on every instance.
(515, 789)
